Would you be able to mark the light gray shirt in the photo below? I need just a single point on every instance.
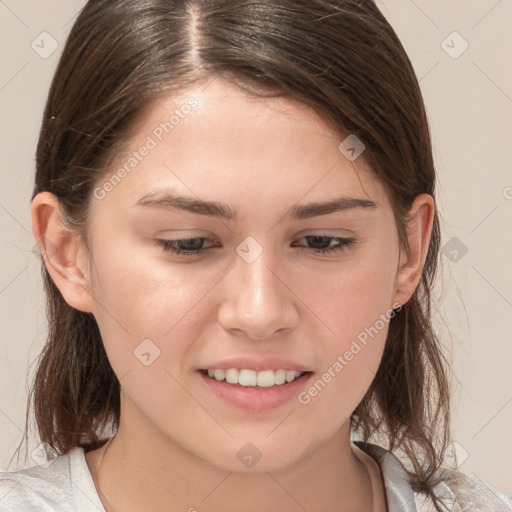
(66, 485)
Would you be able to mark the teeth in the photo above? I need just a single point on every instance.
(280, 377)
(263, 379)
(232, 376)
(247, 377)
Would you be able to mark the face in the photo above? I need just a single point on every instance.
(264, 281)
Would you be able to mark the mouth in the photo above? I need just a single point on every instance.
(247, 378)
(254, 383)
(254, 391)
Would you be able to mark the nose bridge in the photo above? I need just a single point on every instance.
(256, 300)
(258, 280)
(257, 285)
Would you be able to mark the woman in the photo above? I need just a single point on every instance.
(235, 204)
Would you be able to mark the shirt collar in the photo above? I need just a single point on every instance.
(399, 493)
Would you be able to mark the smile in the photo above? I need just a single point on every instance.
(247, 378)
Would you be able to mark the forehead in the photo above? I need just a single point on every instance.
(217, 142)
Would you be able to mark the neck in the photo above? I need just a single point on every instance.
(147, 471)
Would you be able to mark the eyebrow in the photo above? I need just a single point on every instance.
(223, 211)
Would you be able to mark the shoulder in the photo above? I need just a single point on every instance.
(457, 491)
(470, 494)
(41, 487)
(51, 486)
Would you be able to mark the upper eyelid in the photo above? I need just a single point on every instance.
(327, 232)
(213, 241)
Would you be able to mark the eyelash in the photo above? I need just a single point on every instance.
(170, 245)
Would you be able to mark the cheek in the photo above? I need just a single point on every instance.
(152, 313)
(354, 303)
(144, 290)
(144, 298)
(353, 295)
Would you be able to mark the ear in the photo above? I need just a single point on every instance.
(63, 251)
(411, 263)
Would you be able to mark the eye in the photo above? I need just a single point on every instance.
(194, 246)
(324, 242)
(185, 246)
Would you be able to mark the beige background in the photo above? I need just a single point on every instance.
(469, 101)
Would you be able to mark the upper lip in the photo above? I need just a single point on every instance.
(257, 364)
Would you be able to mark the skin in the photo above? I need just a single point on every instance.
(177, 443)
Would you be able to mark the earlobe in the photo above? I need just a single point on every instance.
(64, 254)
(419, 231)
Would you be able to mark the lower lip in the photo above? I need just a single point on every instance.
(255, 399)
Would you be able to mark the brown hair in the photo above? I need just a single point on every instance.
(342, 58)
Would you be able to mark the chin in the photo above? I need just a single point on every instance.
(257, 456)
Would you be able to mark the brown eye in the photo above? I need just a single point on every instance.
(322, 244)
(185, 246)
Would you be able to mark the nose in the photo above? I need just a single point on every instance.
(257, 301)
